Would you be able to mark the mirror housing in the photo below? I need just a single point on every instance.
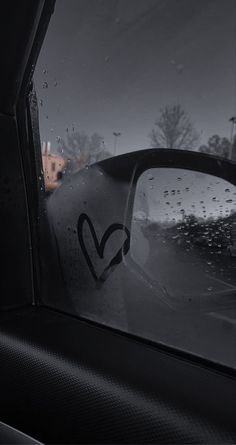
(99, 200)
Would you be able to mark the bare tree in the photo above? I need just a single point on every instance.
(96, 147)
(75, 149)
(80, 150)
(219, 146)
(174, 129)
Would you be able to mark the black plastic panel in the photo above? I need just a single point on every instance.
(65, 381)
(16, 279)
(9, 435)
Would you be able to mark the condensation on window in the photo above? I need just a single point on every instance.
(120, 76)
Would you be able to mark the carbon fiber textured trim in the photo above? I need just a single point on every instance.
(64, 381)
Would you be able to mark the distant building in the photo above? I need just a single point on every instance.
(53, 166)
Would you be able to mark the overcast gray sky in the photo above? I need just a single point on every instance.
(110, 65)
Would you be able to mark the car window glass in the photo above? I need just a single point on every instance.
(117, 76)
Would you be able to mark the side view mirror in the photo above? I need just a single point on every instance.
(183, 237)
(165, 219)
(165, 213)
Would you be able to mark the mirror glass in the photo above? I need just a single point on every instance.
(183, 237)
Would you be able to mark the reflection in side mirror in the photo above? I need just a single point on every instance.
(183, 237)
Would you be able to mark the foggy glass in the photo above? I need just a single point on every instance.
(183, 237)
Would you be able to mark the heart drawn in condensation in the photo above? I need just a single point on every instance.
(100, 247)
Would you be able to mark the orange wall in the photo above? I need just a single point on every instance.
(52, 164)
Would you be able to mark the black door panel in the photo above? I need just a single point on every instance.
(66, 381)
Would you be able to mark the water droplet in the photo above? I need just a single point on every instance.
(180, 68)
(210, 288)
(45, 85)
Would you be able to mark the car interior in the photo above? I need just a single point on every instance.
(65, 377)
